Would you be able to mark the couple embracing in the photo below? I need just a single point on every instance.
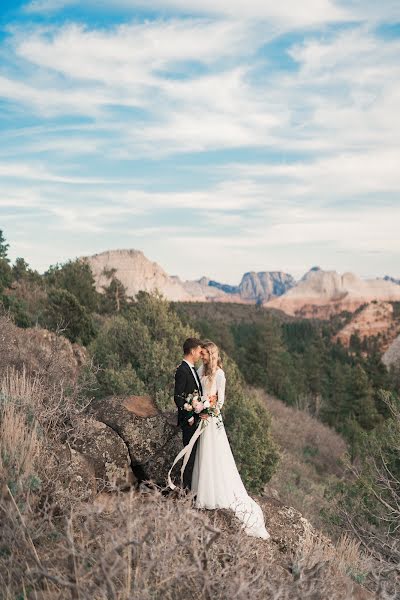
(209, 468)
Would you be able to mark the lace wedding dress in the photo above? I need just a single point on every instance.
(215, 478)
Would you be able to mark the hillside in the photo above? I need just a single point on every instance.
(75, 523)
(312, 456)
(319, 294)
(322, 293)
(374, 320)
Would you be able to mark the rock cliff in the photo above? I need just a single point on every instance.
(136, 272)
(319, 288)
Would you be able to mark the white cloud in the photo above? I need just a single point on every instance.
(291, 12)
(39, 172)
(131, 55)
(344, 94)
(169, 87)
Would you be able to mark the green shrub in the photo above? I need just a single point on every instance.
(64, 311)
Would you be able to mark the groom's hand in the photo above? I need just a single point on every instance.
(191, 420)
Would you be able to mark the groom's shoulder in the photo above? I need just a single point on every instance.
(180, 367)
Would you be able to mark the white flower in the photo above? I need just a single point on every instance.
(187, 406)
(206, 404)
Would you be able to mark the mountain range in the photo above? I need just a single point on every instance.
(318, 293)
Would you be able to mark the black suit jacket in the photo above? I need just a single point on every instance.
(185, 383)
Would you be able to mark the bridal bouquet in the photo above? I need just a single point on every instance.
(194, 403)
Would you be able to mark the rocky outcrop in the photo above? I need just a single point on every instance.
(320, 288)
(136, 273)
(287, 526)
(151, 439)
(318, 294)
(392, 279)
(260, 287)
(40, 351)
(76, 478)
(205, 290)
(376, 318)
(105, 451)
(392, 355)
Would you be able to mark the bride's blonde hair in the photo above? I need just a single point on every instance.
(210, 369)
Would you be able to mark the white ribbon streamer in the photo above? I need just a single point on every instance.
(186, 451)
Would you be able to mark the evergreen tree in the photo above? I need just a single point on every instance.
(64, 312)
(114, 298)
(76, 277)
(5, 269)
(20, 269)
(3, 247)
(360, 399)
(336, 401)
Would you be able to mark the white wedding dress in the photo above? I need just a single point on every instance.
(215, 479)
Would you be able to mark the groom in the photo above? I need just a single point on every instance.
(186, 382)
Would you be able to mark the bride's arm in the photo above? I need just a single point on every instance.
(220, 381)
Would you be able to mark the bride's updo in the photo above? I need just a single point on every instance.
(210, 369)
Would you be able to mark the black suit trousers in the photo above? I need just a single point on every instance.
(187, 433)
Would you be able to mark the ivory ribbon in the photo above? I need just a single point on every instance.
(186, 451)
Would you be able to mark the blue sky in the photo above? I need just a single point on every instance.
(217, 137)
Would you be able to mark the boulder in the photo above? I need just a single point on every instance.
(76, 479)
(152, 440)
(105, 450)
(287, 526)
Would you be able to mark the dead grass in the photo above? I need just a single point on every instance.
(147, 546)
(311, 459)
(20, 444)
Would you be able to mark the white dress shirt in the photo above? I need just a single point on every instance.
(195, 375)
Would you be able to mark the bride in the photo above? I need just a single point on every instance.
(216, 481)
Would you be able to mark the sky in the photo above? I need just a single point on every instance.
(218, 137)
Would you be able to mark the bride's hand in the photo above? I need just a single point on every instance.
(204, 416)
(213, 399)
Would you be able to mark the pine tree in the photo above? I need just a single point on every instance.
(360, 399)
(3, 248)
(5, 269)
(20, 269)
(115, 297)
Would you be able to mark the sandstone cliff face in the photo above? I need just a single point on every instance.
(375, 318)
(392, 354)
(260, 287)
(136, 273)
(338, 292)
(392, 279)
(318, 294)
(202, 291)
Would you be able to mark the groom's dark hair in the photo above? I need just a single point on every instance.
(189, 344)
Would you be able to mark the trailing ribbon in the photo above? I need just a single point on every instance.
(186, 451)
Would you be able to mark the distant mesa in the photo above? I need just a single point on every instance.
(136, 272)
(318, 293)
(261, 287)
(333, 292)
(392, 279)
